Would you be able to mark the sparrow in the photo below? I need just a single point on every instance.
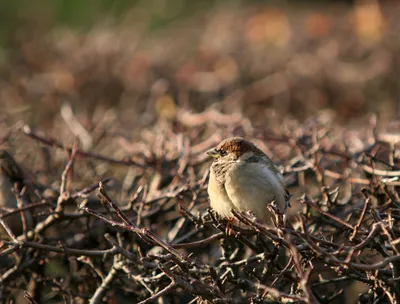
(243, 178)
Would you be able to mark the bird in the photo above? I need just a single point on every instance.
(243, 178)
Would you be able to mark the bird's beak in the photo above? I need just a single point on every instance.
(213, 153)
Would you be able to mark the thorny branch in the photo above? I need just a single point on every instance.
(158, 242)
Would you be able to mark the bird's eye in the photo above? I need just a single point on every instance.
(222, 152)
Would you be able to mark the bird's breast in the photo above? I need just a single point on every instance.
(219, 199)
(251, 186)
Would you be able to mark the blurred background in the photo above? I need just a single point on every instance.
(160, 81)
(142, 60)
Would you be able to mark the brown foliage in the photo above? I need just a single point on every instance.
(151, 237)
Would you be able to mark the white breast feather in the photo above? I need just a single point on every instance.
(251, 186)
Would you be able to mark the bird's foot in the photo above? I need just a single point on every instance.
(228, 230)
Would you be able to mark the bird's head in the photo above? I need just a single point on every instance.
(233, 149)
